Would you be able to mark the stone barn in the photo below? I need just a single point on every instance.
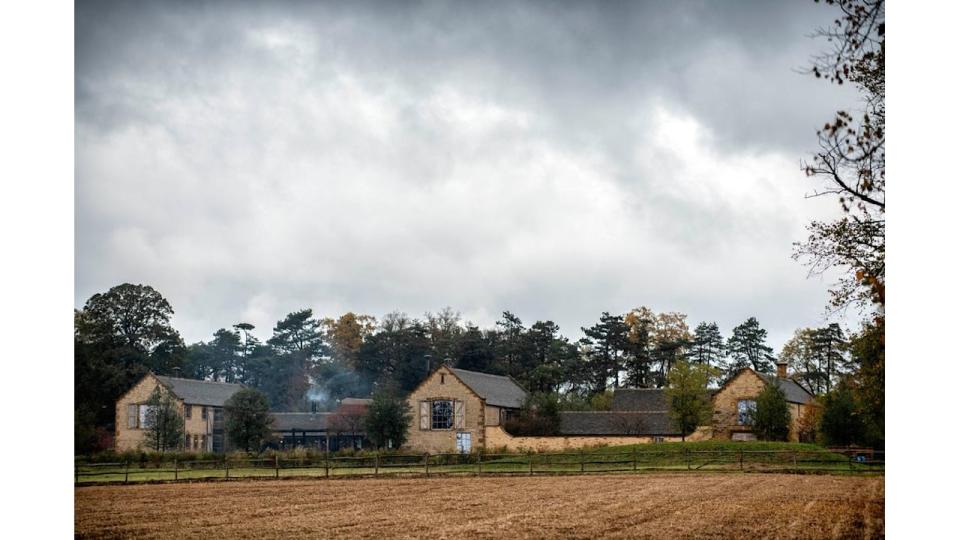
(200, 403)
(735, 401)
(452, 408)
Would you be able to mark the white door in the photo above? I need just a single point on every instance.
(463, 442)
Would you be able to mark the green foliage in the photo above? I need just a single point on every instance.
(771, 419)
(841, 423)
(539, 416)
(602, 401)
(119, 336)
(248, 420)
(163, 422)
(747, 348)
(690, 403)
(387, 420)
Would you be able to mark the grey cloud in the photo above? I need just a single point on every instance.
(249, 159)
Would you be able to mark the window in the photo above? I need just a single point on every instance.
(441, 416)
(442, 379)
(203, 443)
(188, 411)
(745, 410)
(132, 416)
(203, 413)
(146, 416)
(186, 442)
(196, 442)
(657, 439)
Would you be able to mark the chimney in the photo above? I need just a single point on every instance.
(781, 369)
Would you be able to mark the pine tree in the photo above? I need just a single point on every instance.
(829, 346)
(747, 348)
(707, 345)
(608, 339)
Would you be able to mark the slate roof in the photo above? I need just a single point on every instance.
(497, 390)
(287, 421)
(794, 392)
(616, 423)
(195, 392)
(639, 399)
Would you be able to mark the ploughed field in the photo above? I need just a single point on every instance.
(629, 506)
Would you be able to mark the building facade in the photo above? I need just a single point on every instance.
(735, 401)
(452, 408)
(199, 403)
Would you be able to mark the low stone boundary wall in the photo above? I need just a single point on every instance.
(496, 438)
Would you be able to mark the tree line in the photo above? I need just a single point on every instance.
(312, 362)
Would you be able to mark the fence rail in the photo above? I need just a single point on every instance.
(392, 464)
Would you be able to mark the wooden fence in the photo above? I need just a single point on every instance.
(395, 464)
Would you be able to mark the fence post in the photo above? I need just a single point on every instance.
(794, 460)
(226, 468)
(76, 470)
(376, 463)
(634, 458)
(175, 475)
(479, 463)
(126, 472)
(581, 460)
(741, 460)
(530, 455)
(686, 457)
(426, 463)
(326, 464)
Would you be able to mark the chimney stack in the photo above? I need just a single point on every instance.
(781, 369)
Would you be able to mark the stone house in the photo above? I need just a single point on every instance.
(735, 401)
(200, 403)
(452, 408)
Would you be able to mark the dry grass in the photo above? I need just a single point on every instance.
(637, 506)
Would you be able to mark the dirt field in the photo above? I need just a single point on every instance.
(661, 506)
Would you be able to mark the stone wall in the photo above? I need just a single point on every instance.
(443, 384)
(133, 438)
(746, 385)
(498, 439)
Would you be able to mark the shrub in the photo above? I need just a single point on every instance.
(539, 416)
(771, 419)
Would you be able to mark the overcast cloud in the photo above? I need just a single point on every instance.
(553, 159)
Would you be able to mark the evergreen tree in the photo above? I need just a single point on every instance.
(841, 424)
(248, 419)
(512, 346)
(387, 420)
(747, 348)
(828, 348)
(476, 350)
(707, 345)
(771, 419)
(608, 342)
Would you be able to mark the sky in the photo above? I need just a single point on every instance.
(553, 159)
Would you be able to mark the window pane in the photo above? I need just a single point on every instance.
(745, 410)
(442, 415)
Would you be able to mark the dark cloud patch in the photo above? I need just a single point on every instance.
(555, 159)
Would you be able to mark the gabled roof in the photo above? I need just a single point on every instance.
(496, 390)
(639, 399)
(194, 392)
(791, 389)
(616, 423)
(300, 421)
